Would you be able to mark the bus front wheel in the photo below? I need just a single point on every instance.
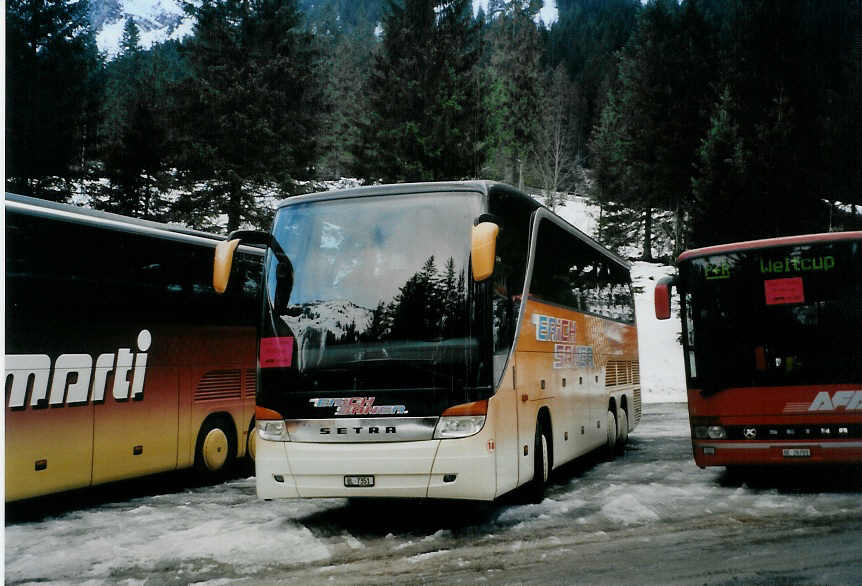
(215, 449)
(541, 465)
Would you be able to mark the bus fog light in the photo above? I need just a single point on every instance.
(273, 430)
(449, 427)
(709, 451)
(716, 432)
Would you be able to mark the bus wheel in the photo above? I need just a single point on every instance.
(251, 441)
(541, 465)
(622, 432)
(611, 443)
(215, 448)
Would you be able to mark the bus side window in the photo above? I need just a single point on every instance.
(513, 245)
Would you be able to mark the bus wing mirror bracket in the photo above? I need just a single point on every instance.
(223, 259)
(662, 297)
(483, 250)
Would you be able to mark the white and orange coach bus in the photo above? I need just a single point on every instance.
(115, 364)
(772, 338)
(443, 340)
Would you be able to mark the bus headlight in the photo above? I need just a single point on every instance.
(459, 426)
(273, 430)
(462, 420)
(270, 425)
(710, 432)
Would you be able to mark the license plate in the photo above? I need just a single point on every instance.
(365, 480)
(796, 452)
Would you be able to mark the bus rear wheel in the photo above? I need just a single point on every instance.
(215, 449)
(611, 443)
(622, 432)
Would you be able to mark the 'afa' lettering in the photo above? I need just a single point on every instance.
(849, 400)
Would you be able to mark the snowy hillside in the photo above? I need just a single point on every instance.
(162, 20)
(158, 21)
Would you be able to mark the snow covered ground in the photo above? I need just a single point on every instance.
(651, 516)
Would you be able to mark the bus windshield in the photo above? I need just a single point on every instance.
(774, 316)
(373, 292)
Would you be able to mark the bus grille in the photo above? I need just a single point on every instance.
(219, 385)
(637, 405)
(250, 384)
(622, 372)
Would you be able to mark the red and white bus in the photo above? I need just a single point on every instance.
(772, 339)
(114, 367)
(442, 340)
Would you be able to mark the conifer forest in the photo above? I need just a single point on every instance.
(700, 121)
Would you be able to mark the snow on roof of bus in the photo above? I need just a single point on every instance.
(770, 243)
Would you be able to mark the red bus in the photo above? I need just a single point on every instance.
(772, 337)
(114, 366)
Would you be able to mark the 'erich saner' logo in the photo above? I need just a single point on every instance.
(73, 379)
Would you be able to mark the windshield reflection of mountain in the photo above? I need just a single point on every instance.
(420, 334)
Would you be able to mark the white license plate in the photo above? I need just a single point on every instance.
(796, 452)
(365, 480)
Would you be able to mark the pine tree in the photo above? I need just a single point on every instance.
(423, 95)
(52, 88)
(251, 109)
(585, 40)
(514, 72)
(645, 144)
(719, 186)
(135, 135)
(347, 45)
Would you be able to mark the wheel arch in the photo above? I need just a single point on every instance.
(230, 427)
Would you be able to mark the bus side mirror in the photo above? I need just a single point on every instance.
(483, 250)
(222, 263)
(662, 297)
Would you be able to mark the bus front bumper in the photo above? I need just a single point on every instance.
(755, 453)
(447, 469)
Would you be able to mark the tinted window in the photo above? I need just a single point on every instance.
(373, 293)
(789, 315)
(71, 275)
(514, 214)
(567, 271)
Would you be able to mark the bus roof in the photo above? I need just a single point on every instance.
(75, 213)
(391, 189)
(484, 187)
(770, 243)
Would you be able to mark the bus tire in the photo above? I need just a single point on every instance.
(215, 449)
(611, 442)
(541, 465)
(622, 432)
(251, 441)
